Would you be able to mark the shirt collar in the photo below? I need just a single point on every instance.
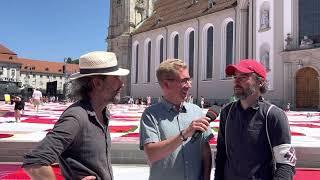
(171, 107)
(86, 104)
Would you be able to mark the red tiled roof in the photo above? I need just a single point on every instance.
(46, 66)
(6, 58)
(5, 50)
(38, 66)
(174, 11)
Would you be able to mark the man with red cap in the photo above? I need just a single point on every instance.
(254, 140)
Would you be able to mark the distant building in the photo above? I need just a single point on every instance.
(31, 73)
(209, 35)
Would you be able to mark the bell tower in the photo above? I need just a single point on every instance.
(125, 16)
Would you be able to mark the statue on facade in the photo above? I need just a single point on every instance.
(140, 8)
(306, 42)
(289, 42)
(265, 60)
(194, 1)
(140, 5)
(264, 19)
(211, 3)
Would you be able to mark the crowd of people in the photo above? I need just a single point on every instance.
(253, 141)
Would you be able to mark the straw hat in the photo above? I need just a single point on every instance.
(99, 63)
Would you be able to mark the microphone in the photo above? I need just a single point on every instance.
(212, 114)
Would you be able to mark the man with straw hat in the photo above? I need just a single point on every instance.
(80, 140)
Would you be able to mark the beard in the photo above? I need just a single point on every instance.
(116, 98)
(244, 93)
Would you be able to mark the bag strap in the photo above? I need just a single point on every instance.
(268, 136)
(225, 129)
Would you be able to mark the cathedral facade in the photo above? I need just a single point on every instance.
(211, 34)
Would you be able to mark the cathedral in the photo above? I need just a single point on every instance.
(211, 34)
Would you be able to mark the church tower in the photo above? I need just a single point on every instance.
(125, 16)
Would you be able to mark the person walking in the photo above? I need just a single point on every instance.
(254, 140)
(80, 140)
(36, 98)
(18, 107)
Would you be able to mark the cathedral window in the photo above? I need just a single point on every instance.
(136, 63)
(161, 51)
(229, 43)
(149, 62)
(176, 46)
(209, 53)
(191, 53)
(309, 21)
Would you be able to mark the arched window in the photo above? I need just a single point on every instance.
(229, 43)
(209, 54)
(136, 56)
(149, 61)
(176, 46)
(161, 50)
(191, 53)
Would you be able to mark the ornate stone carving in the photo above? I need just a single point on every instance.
(211, 3)
(289, 42)
(140, 6)
(265, 60)
(306, 42)
(264, 19)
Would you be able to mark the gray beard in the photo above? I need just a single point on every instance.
(246, 93)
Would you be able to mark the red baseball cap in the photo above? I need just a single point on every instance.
(247, 66)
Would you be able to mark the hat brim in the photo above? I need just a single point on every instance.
(232, 69)
(119, 72)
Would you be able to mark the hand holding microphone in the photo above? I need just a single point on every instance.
(212, 114)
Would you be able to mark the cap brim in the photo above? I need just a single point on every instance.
(232, 69)
(119, 72)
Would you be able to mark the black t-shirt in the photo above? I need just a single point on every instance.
(19, 105)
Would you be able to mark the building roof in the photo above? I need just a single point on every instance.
(168, 12)
(37, 66)
(46, 67)
(7, 56)
(5, 50)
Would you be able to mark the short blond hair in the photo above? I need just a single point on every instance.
(169, 69)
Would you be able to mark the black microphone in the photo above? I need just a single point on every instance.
(212, 114)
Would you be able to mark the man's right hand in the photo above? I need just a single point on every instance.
(201, 124)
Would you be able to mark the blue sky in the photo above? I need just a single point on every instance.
(54, 29)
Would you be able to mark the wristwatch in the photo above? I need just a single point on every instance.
(182, 136)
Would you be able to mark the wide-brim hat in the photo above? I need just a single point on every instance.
(247, 66)
(99, 63)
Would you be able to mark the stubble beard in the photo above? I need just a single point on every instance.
(245, 92)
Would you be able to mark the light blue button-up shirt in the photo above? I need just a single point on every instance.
(162, 121)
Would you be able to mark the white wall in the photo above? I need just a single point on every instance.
(215, 88)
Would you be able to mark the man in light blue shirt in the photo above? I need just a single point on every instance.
(166, 129)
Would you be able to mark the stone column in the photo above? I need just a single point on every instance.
(242, 34)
